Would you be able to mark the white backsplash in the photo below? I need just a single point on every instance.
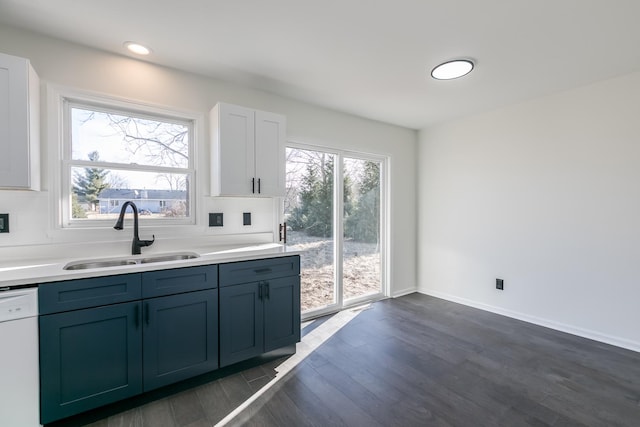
(33, 236)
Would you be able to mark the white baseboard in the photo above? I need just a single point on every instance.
(403, 292)
(585, 333)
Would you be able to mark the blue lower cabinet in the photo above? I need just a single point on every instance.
(105, 339)
(89, 358)
(258, 317)
(97, 349)
(180, 337)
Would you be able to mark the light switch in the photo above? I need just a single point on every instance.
(4, 223)
(215, 219)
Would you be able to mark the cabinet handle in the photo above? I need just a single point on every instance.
(262, 270)
(283, 232)
(146, 313)
(258, 185)
(267, 287)
(253, 185)
(260, 290)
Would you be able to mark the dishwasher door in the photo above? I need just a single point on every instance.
(19, 368)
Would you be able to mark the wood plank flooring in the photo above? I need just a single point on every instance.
(423, 361)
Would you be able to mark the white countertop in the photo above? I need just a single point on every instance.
(43, 270)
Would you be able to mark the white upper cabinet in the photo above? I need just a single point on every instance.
(247, 152)
(19, 124)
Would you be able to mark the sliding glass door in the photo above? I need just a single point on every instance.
(309, 213)
(361, 244)
(339, 227)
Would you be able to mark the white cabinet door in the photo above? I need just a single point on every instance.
(233, 161)
(247, 152)
(19, 124)
(270, 153)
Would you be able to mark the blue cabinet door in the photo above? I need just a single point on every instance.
(241, 323)
(89, 358)
(281, 312)
(180, 337)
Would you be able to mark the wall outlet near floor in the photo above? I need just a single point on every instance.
(215, 219)
(4, 223)
(500, 284)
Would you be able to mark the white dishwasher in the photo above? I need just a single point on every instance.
(19, 368)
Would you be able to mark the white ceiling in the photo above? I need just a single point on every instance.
(371, 58)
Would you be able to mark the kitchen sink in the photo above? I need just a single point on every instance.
(173, 257)
(86, 265)
(119, 262)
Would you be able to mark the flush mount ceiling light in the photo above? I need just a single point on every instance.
(452, 69)
(137, 48)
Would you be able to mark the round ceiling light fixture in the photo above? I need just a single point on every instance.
(137, 48)
(452, 69)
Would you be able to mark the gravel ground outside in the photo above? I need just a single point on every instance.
(361, 269)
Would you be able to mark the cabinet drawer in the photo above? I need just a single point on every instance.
(84, 293)
(263, 269)
(179, 280)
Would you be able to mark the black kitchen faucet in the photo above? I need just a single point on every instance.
(136, 244)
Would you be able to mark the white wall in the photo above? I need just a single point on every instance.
(80, 68)
(546, 195)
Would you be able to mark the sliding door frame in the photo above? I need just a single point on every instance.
(338, 228)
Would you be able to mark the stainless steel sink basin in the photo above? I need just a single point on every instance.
(119, 262)
(161, 258)
(85, 265)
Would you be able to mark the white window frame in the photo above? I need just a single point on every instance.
(59, 102)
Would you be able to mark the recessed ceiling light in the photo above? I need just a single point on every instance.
(137, 48)
(452, 69)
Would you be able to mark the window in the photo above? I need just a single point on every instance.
(115, 154)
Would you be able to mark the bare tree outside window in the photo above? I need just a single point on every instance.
(159, 143)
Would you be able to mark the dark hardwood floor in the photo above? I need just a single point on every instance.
(423, 361)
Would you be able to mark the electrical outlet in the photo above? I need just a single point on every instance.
(4, 223)
(500, 284)
(215, 219)
(246, 218)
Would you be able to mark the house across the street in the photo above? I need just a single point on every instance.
(147, 201)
